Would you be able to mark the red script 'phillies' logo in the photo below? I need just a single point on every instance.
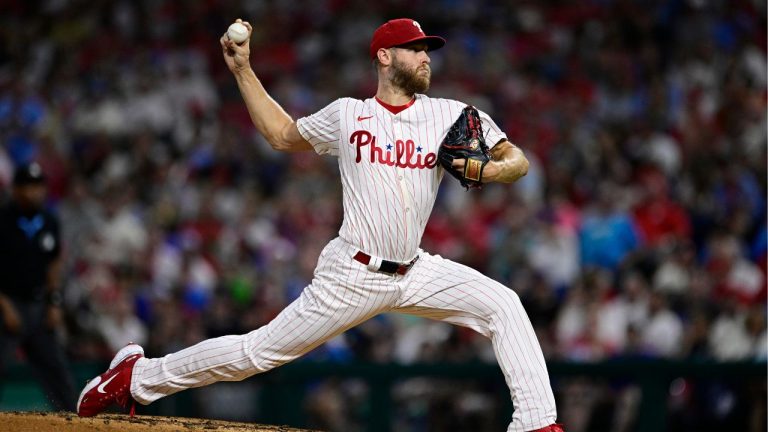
(405, 155)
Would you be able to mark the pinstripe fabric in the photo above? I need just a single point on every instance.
(344, 293)
(443, 290)
(386, 206)
(390, 184)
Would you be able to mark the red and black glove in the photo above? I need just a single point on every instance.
(464, 140)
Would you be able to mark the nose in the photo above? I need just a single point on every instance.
(424, 57)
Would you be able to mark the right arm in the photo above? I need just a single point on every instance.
(268, 116)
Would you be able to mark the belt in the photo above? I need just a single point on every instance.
(390, 267)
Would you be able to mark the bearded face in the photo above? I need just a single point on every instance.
(410, 80)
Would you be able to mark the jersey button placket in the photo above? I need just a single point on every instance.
(406, 202)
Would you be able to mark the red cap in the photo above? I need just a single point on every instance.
(402, 31)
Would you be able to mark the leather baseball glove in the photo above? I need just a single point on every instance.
(464, 140)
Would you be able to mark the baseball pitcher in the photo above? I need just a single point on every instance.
(392, 151)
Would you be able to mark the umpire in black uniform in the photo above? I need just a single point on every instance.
(30, 301)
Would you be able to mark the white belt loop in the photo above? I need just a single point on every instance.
(374, 264)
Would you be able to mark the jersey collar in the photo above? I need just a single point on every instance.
(395, 109)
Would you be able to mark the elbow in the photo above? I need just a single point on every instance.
(524, 166)
(278, 144)
(279, 141)
(288, 146)
(287, 139)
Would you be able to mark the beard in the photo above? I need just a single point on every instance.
(410, 80)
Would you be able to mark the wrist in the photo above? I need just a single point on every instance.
(242, 71)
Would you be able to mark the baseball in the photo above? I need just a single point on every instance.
(237, 33)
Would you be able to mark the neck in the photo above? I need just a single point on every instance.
(392, 95)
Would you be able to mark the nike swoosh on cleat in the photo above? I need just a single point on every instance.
(101, 386)
(361, 118)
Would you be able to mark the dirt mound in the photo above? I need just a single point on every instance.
(68, 422)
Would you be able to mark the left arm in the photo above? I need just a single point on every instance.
(508, 164)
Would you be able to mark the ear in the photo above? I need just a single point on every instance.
(385, 56)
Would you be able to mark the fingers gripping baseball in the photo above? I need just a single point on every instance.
(237, 55)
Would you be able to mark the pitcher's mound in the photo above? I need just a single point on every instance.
(68, 422)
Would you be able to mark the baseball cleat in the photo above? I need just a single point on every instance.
(111, 387)
(551, 428)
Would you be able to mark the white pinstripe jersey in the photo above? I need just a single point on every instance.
(388, 165)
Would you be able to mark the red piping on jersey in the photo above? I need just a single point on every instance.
(395, 109)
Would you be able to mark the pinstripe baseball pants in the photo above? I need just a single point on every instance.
(343, 294)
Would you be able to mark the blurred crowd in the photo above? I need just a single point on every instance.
(639, 232)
